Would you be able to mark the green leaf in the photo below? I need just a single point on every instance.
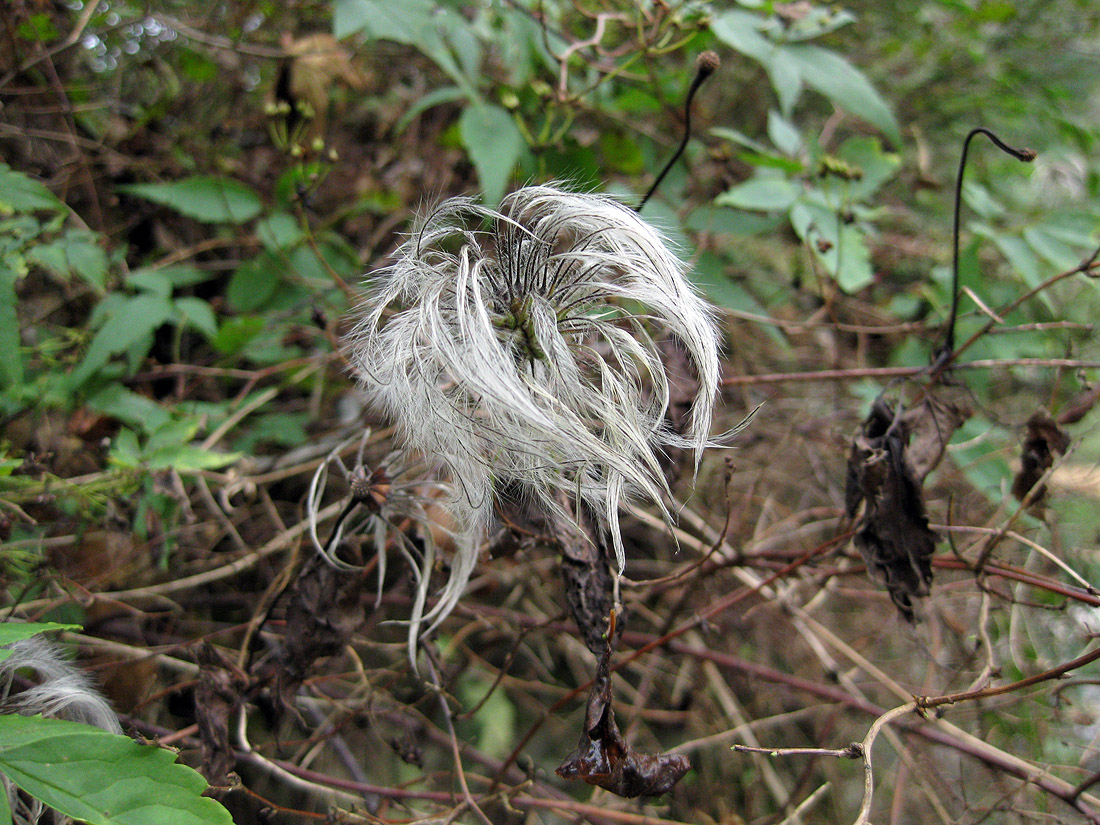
(445, 94)
(279, 231)
(783, 134)
(19, 193)
(254, 282)
(741, 31)
(840, 247)
(877, 166)
(51, 256)
(1052, 248)
(87, 258)
(236, 333)
(282, 429)
(5, 810)
(845, 85)
(172, 433)
(187, 458)
(437, 31)
(165, 280)
(740, 138)
(494, 144)
(11, 360)
(711, 274)
(117, 401)
(125, 451)
(787, 82)
(17, 631)
(103, 778)
(198, 314)
(204, 198)
(761, 195)
(127, 324)
(853, 260)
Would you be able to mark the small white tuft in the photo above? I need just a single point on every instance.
(63, 690)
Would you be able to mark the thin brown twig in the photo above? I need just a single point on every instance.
(859, 373)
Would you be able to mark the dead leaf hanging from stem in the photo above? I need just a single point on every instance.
(604, 758)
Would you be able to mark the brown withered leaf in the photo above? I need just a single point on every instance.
(929, 426)
(888, 461)
(586, 577)
(218, 697)
(1043, 440)
(604, 758)
(325, 607)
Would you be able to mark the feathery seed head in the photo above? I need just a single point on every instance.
(518, 346)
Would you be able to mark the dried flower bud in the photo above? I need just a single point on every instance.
(707, 63)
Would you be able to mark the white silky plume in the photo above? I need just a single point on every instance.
(63, 691)
(518, 346)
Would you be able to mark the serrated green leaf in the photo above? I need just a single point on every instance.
(103, 778)
(11, 360)
(17, 631)
(19, 193)
(761, 195)
(494, 144)
(203, 197)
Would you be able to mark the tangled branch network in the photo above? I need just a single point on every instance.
(518, 348)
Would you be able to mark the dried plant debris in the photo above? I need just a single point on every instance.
(1043, 440)
(888, 461)
(325, 607)
(604, 758)
(218, 698)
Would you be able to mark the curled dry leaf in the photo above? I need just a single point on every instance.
(888, 461)
(317, 63)
(325, 607)
(1043, 440)
(604, 758)
(218, 698)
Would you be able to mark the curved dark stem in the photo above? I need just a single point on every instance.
(705, 66)
(943, 355)
(339, 521)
